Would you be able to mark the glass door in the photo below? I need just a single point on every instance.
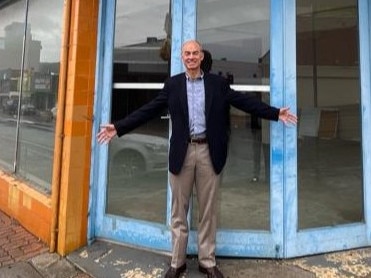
(137, 174)
(135, 55)
(328, 93)
(286, 191)
(238, 36)
(137, 51)
(330, 208)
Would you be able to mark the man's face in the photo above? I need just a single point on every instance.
(192, 55)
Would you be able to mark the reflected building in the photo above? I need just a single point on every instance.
(12, 45)
(40, 80)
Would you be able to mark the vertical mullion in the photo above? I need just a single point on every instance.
(184, 28)
(17, 143)
(364, 11)
(276, 142)
(103, 108)
(290, 208)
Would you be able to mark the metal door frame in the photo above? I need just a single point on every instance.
(284, 240)
(153, 235)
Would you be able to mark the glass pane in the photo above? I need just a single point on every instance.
(328, 88)
(237, 35)
(11, 15)
(39, 90)
(138, 161)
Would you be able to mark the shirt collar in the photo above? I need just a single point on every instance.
(197, 78)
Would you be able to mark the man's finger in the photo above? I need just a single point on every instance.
(105, 126)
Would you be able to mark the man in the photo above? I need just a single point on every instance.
(198, 104)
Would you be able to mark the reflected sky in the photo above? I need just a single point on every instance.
(45, 18)
(236, 30)
(130, 24)
(250, 20)
(222, 25)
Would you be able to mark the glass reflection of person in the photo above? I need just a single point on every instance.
(207, 62)
(199, 104)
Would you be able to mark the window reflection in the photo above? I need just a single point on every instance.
(29, 92)
(237, 35)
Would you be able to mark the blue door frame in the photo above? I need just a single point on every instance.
(283, 240)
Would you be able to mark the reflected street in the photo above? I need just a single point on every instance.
(36, 146)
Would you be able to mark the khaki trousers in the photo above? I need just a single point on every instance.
(197, 171)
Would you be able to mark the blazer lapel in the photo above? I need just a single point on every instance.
(183, 96)
(208, 94)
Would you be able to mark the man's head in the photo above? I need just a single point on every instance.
(192, 55)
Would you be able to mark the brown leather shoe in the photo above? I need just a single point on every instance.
(173, 272)
(211, 272)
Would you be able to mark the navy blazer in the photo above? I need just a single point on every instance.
(218, 98)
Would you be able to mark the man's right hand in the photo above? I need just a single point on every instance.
(106, 133)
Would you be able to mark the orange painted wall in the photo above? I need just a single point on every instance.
(28, 206)
(77, 137)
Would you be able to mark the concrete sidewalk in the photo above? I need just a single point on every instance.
(104, 259)
(23, 255)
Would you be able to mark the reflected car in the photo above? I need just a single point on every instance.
(10, 106)
(28, 109)
(135, 154)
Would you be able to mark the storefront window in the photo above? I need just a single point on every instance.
(28, 87)
(328, 92)
(237, 34)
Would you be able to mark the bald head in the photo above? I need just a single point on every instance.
(192, 56)
(194, 42)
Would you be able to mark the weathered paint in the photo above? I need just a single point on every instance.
(364, 8)
(101, 115)
(277, 145)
